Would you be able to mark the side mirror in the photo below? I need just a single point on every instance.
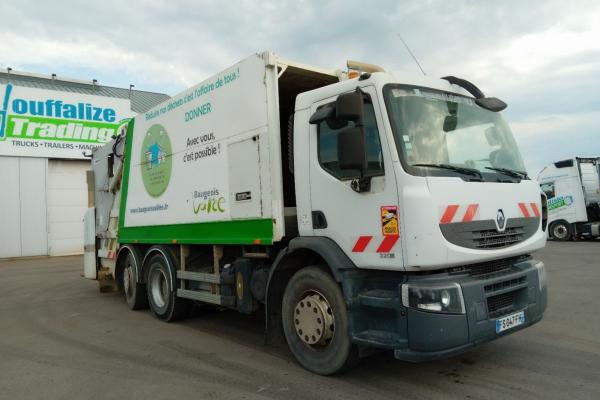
(327, 114)
(491, 103)
(451, 120)
(322, 114)
(349, 107)
(450, 123)
(351, 149)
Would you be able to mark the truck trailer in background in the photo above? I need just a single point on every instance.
(573, 190)
(359, 210)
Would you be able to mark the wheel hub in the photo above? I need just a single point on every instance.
(313, 319)
(560, 231)
(159, 289)
(127, 279)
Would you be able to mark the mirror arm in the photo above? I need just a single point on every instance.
(362, 184)
(360, 123)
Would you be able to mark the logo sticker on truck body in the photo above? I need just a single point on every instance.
(156, 160)
(389, 221)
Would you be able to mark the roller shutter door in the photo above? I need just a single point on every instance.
(67, 203)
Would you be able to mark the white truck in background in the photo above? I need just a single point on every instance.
(573, 190)
(359, 210)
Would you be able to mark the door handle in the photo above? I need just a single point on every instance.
(318, 220)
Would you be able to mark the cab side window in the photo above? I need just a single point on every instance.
(327, 146)
(548, 188)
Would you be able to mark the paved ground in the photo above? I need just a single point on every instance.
(62, 339)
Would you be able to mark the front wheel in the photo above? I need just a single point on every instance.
(561, 231)
(315, 322)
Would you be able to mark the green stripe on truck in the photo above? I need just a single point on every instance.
(248, 231)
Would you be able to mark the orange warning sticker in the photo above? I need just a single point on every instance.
(389, 221)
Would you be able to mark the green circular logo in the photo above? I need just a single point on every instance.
(156, 160)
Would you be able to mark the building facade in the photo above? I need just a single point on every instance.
(47, 127)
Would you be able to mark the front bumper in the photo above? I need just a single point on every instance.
(379, 320)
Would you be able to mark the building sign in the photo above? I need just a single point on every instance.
(49, 123)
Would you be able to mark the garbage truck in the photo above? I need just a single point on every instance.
(572, 187)
(360, 210)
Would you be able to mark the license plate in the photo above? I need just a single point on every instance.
(510, 321)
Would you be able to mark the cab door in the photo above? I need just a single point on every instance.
(365, 225)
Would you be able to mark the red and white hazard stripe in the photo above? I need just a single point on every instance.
(460, 213)
(529, 210)
(384, 246)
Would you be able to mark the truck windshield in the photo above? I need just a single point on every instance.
(438, 133)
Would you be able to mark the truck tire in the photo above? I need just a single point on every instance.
(135, 292)
(163, 301)
(561, 231)
(315, 322)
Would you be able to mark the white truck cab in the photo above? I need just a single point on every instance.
(359, 210)
(443, 216)
(442, 199)
(573, 190)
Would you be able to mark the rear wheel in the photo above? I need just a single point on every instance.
(162, 295)
(135, 293)
(315, 322)
(561, 231)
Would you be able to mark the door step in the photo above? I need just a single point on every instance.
(206, 297)
(204, 277)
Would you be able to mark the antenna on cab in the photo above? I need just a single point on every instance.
(411, 54)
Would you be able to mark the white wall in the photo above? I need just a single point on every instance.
(42, 204)
(23, 221)
(10, 208)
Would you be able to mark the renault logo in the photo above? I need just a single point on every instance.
(500, 221)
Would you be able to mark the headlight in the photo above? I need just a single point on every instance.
(541, 270)
(434, 298)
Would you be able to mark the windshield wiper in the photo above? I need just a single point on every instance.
(462, 170)
(510, 172)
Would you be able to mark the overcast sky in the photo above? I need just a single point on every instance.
(541, 57)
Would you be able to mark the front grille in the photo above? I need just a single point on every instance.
(483, 235)
(484, 269)
(501, 303)
(490, 267)
(492, 239)
(505, 285)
